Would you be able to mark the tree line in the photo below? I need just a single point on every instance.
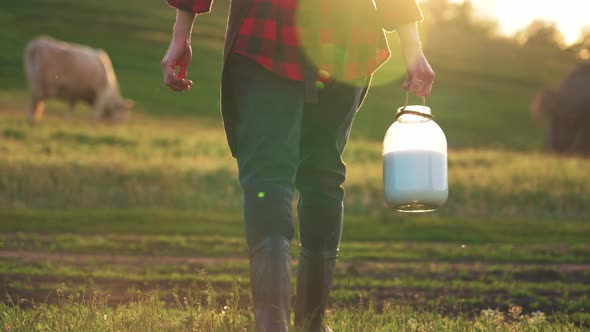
(445, 19)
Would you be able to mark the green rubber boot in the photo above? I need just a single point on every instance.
(314, 282)
(270, 280)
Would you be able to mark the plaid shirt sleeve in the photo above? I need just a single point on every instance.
(194, 6)
(395, 13)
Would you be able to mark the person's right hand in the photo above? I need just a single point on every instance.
(420, 75)
(179, 55)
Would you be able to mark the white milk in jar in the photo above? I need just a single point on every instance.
(415, 180)
(415, 162)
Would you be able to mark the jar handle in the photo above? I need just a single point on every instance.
(408, 100)
(403, 110)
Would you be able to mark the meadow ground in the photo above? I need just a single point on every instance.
(154, 207)
(112, 227)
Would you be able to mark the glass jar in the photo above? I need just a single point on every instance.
(415, 176)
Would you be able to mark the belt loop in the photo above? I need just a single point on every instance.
(311, 90)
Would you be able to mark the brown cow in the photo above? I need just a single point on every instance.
(73, 73)
(566, 109)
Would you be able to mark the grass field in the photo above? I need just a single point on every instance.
(152, 205)
(138, 227)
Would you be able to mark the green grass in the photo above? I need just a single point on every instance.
(89, 312)
(452, 288)
(164, 187)
(209, 245)
(516, 281)
(184, 164)
(357, 228)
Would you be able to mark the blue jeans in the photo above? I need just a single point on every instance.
(283, 144)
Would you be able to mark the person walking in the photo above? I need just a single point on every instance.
(295, 72)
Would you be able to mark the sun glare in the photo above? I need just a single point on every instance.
(570, 16)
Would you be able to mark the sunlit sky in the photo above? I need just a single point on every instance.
(571, 16)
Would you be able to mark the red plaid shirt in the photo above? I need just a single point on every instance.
(342, 38)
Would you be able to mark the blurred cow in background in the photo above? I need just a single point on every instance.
(566, 110)
(73, 73)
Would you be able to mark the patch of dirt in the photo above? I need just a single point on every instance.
(366, 267)
(43, 288)
(115, 291)
(141, 260)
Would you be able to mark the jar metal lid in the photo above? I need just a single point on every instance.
(403, 110)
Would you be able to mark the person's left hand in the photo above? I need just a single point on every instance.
(420, 77)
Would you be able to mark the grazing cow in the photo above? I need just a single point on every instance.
(73, 73)
(566, 110)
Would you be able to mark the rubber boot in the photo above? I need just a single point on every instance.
(270, 279)
(314, 282)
